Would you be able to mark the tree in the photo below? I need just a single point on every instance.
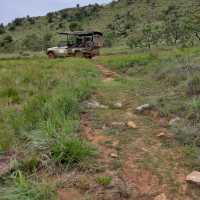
(172, 19)
(31, 20)
(74, 26)
(11, 27)
(64, 15)
(18, 21)
(7, 43)
(50, 17)
(2, 29)
(151, 34)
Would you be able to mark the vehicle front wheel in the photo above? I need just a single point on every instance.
(51, 55)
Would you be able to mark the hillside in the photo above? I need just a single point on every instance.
(138, 23)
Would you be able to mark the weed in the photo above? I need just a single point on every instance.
(22, 188)
(186, 134)
(11, 94)
(31, 163)
(71, 151)
(191, 157)
(104, 180)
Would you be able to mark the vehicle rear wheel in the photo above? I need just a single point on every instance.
(79, 54)
(51, 55)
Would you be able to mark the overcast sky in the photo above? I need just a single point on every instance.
(10, 9)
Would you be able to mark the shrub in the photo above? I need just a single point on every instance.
(22, 188)
(71, 151)
(31, 20)
(193, 87)
(75, 26)
(186, 134)
(18, 21)
(2, 29)
(7, 39)
(104, 180)
(50, 17)
(134, 41)
(192, 157)
(194, 113)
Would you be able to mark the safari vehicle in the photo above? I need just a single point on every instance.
(79, 44)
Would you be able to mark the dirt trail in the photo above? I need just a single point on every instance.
(147, 181)
(97, 138)
(141, 167)
(108, 75)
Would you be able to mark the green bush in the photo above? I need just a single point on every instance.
(75, 26)
(71, 151)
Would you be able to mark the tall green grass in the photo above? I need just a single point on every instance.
(40, 104)
(20, 187)
(123, 62)
(40, 118)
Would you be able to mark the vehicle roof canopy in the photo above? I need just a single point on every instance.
(82, 33)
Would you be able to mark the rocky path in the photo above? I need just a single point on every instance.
(139, 159)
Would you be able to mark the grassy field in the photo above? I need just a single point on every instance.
(40, 125)
(40, 107)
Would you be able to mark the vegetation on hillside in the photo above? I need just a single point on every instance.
(135, 23)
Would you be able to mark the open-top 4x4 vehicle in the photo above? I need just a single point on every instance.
(79, 44)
